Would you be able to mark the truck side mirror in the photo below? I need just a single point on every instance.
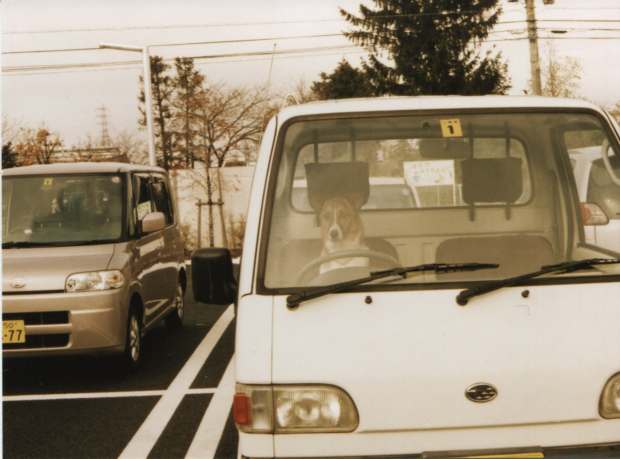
(213, 277)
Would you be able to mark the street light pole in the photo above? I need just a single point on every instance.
(148, 94)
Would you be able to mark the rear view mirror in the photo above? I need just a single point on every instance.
(154, 221)
(213, 277)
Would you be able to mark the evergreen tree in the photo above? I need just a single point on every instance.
(9, 156)
(187, 83)
(162, 89)
(432, 46)
(343, 83)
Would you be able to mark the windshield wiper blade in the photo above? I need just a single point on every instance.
(568, 266)
(23, 244)
(27, 244)
(292, 301)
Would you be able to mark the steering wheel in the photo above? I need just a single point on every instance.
(357, 253)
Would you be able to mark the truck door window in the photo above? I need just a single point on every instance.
(596, 168)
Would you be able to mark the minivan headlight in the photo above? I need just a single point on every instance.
(93, 281)
(609, 406)
(294, 409)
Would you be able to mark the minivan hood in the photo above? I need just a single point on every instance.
(410, 359)
(46, 268)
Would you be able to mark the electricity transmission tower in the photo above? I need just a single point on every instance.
(103, 122)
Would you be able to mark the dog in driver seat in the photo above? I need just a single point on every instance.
(337, 192)
(341, 229)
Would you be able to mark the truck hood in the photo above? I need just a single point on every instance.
(46, 268)
(410, 360)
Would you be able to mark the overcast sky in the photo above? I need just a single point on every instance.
(65, 89)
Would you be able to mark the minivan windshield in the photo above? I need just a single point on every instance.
(61, 209)
(360, 194)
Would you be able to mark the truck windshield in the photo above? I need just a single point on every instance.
(355, 195)
(56, 210)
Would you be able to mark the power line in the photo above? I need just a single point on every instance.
(136, 65)
(551, 38)
(220, 42)
(240, 24)
(282, 54)
(310, 21)
(250, 40)
(213, 56)
(198, 26)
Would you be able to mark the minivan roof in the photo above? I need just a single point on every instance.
(382, 104)
(79, 168)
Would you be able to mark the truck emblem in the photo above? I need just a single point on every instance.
(18, 283)
(481, 393)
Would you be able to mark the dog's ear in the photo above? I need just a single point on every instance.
(316, 203)
(357, 200)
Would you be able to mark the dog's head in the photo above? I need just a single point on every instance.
(338, 218)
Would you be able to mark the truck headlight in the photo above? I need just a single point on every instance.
(294, 409)
(609, 406)
(93, 281)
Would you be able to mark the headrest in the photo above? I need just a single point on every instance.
(492, 180)
(444, 149)
(344, 179)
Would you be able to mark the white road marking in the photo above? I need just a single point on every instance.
(212, 426)
(94, 395)
(148, 433)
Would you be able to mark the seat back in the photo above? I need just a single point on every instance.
(515, 254)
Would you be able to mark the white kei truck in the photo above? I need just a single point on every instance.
(476, 320)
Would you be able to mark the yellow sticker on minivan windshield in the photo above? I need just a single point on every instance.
(48, 182)
(451, 128)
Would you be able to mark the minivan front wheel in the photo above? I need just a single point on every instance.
(175, 318)
(131, 356)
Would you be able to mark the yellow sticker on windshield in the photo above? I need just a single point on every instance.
(451, 128)
(48, 182)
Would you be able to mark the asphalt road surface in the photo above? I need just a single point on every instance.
(176, 405)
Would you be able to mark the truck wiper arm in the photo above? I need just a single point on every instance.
(292, 301)
(463, 297)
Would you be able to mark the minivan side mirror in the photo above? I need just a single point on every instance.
(153, 221)
(213, 277)
(593, 215)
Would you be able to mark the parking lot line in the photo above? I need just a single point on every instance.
(212, 426)
(90, 395)
(149, 432)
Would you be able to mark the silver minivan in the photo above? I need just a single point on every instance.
(92, 258)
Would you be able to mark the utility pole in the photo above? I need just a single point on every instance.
(533, 39)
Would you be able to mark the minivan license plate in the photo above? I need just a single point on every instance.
(13, 331)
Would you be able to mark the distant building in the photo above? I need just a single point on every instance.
(90, 154)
